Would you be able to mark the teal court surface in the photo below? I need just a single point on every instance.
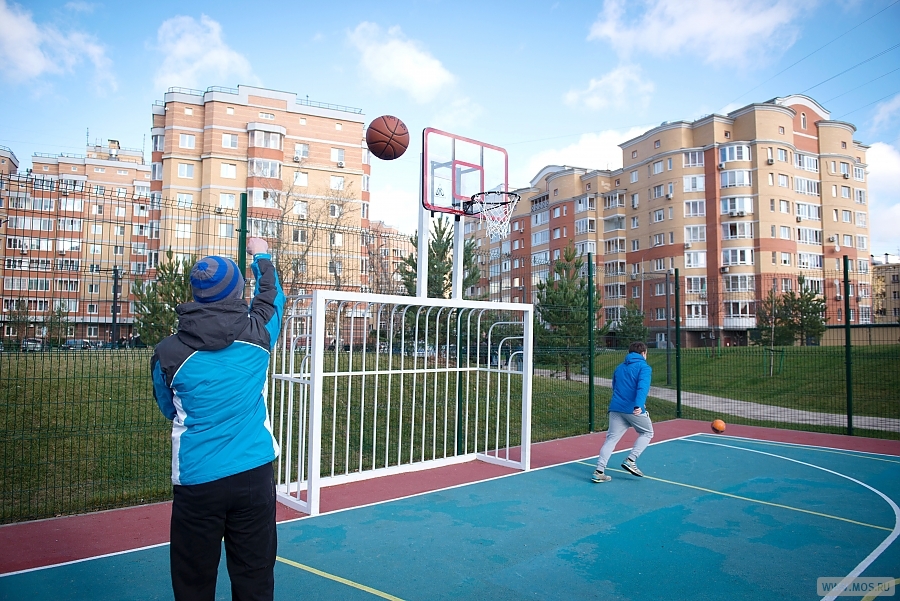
(716, 517)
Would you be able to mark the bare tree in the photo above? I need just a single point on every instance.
(311, 236)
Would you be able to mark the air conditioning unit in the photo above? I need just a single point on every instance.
(220, 210)
(846, 176)
(724, 269)
(702, 295)
(340, 163)
(61, 252)
(721, 165)
(770, 162)
(831, 238)
(687, 244)
(669, 196)
(633, 275)
(741, 213)
(732, 213)
(858, 298)
(799, 219)
(297, 158)
(23, 251)
(838, 297)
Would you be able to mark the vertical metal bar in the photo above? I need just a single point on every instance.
(848, 346)
(677, 344)
(668, 335)
(242, 236)
(591, 325)
(424, 236)
(527, 368)
(459, 267)
(315, 410)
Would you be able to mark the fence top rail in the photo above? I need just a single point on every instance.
(449, 303)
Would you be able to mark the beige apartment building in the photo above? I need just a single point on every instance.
(304, 166)
(886, 290)
(739, 204)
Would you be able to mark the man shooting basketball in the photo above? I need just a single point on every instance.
(208, 379)
(631, 384)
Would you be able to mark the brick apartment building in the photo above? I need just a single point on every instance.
(739, 203)
(81, 229)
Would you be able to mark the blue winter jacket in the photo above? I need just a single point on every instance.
(631, 384)
(208, 378)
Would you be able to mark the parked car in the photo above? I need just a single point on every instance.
(32, 345)
(77, 345)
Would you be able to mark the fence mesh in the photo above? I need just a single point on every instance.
(80, 430)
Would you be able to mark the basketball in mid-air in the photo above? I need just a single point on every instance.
(718, 426)
(387, 137)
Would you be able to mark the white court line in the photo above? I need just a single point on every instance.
(798, 445)
(308, 517)
(865, 563)
(82, 560)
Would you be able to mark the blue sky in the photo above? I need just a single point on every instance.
(553, 82)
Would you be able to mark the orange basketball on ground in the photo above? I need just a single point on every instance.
(718, 426)
(387, 137)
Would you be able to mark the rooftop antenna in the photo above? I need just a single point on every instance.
(87, 136)
(143, 149)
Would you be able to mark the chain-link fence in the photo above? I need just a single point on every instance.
(89, 276)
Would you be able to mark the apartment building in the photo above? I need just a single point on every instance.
(740, 203)
(886, 290)
(304, 166)
(79, 229)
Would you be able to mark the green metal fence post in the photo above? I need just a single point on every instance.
(592, 322)
(677, 344)
(242, 236)
(848, 355)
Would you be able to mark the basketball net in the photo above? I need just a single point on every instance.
(495, 210)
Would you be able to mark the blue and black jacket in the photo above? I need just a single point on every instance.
(631, 384)
(209, 377)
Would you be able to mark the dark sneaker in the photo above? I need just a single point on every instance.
(632, 467)
(599, 477)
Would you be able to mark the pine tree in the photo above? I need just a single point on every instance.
(155, 302)
(631, 325)
(562, 312)
(807, 312)
(440, 262)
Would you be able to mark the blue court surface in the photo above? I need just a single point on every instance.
(716, 517)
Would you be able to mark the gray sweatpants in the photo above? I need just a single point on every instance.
(618, 425)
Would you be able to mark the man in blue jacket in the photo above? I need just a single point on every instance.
(208, 378)
(630, 385)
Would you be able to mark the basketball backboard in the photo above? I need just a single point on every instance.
(454, 168)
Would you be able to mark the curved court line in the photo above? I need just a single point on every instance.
(752, 500)
(873, 596)
(865, 563)
(818, 448)
(356, 585)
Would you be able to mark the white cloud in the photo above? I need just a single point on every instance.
(720, 31)
(393, 61)
(458, 114)
(887, 112)
(592, 151)
(621, 87)
(195, 55)
(884, 197)
(29, 51)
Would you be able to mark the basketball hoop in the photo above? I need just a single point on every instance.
(494, 209)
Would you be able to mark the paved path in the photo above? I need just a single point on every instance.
(757, 411)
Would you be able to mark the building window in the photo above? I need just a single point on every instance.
(185, 200)
(229, 110)
(229, 141)
(182, 230)
(226, 201)
(634, 154)
(634, 176)
(265, 139)
(337, 155)
(226, 230)
(185, 170)
(780, 129)
(188, 110)
(228, 170)
(802, 120)
(267, 116)
(186, 141)
(337, 182)
(301, 178)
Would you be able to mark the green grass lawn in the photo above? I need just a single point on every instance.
(81, 431)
